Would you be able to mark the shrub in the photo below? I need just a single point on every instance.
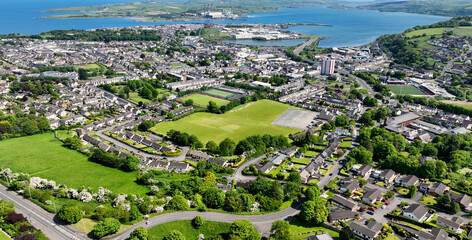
(198, 221)
(70, 214)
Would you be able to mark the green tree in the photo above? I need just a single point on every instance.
(73, 143)
(227, 147)
(213, 197)
(315, 212)
(70, 214)
(281, 230)
(210, 178)
(412, 191)
(198, 222)
(212, 147)
(83, 74)
(342, 121)
(346, 234)
(175, 235)
(312, 193)
(244, 230)
(140, 233)
(106, 227)
(178, 203)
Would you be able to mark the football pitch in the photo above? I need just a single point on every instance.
(202, 100)
(219, 93)
(247, 120)
(405, 90)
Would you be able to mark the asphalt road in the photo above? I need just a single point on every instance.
(40, 218)
(262, 222)
(238, 174)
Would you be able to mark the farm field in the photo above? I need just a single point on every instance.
(427, 31)
(210, 228)
(219, 93)
(202, 100)
(405, 89)
(463, 104)
(244, 121)
(42, 155)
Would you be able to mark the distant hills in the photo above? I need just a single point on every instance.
(450, 8)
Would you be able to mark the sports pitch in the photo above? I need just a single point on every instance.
(405, 90)
(219, 93)
(244, 121)
(202, 100)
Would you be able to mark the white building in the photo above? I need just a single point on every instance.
(328, 67)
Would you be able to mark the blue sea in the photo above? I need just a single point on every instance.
(349, 27)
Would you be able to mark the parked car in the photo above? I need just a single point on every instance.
(383, 207)
(370, 212)
(371, 208)
(388, 203)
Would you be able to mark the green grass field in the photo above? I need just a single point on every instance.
(202, 100)
(405, 89)
(3, 236)
(219, 93)
(43, 156)
(91, 66)
(244, 121)
(210, 228)
(427, 31)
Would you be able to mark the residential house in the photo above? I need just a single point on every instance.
(198, 155)
(367, 231)
(323, 236)
(159, 164)
(452, 224)
(462, 199)
(289, 151)
(341, 215)
(344, 202)
(267, 167)
(416, 212)
(365, 170)
(350, 184)
(437, 189)
(433, 234)
(408, 180)
(179, 166)
(387, 175)
(219, 161)
(277, 159)
(372, 195)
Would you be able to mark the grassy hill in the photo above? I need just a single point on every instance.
(247, 120)
(44, 156)
(451, 8)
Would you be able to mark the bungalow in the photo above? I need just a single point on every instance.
(91, 139)
(416, 212)
(289, 151)
(438, 189)
(424, 187)
(277, 159)
(178, 166)
(323, 236)
(367, 231)
(387, 175)
(267, 167)
(198, 155)
(344, 202)
(452, 224)
(408, 180)
(218, 161)
(341, 215)
(80, 132)
(156, 146)
(137, 138)
(351, 185)
(462, 199)
(372, 195)
(434, 234)
(159, 164)
(364, 171)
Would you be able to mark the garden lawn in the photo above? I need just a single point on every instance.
(4, 236)
(210, 228)
(428, 200)
(201, 100)
(91, 66)
(405, 90)
(43, 155)
(427, 31)
(244, 121)
(302, 229)
(303, 161)
(346, 143)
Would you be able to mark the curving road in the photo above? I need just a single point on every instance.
(238, 174)
(263, 223)
(40, 218)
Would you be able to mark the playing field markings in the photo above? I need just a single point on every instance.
(226, 129)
